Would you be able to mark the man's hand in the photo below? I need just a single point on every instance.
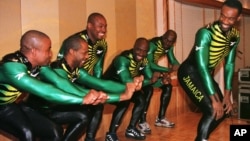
(95, 97)
(155, 77)
(103, 97)
(138, 81)
(175, 67)
(91, 97)
(166, 78)
(228, 106)
(130, 89)
(218, 110)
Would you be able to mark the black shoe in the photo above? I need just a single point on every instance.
(134, 133)
(111, 137)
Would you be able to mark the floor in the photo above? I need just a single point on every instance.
(185, 129)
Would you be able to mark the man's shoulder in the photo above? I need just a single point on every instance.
(206, 30)
(7, 67)
(83, 32)
(125, 54)
(11, 57)
(123, 58)
(155, 39)
(14, 60)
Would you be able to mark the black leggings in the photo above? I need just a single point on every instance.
(199, 96)
(26, 124)
(165, 99)
(147, 93)
(75, 118)
(166, 91)
(121, 107)
(96, 112)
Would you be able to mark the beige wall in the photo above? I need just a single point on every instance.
(127, 20)
(72, 17)
(10, 25)
(41, 15)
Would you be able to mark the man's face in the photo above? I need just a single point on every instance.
(97, 29)
(168, 40)
(81, 55)
(43, 52)
(228, 17)
(140, 51)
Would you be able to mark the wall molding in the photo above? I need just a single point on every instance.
(209, 3)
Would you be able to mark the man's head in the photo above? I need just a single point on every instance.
(96, 27)
(75, 51)
(230, 14)
(140, 49)
(36, 46)
(168, 39)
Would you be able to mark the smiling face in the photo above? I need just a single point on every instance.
(140, 49)
(81, 54)
(75, 51)
(228, 17)
(97, 28)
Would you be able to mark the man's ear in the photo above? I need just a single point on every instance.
(239, 17)
(33, 51)
(71, 51)
(89, 25)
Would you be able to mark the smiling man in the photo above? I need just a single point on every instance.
(18, 77)
(159, 47)
(94, 35)
(124, 68)
(69, 68)
(214, 43)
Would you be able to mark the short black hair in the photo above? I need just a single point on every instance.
(169, 32)
(234, 4)
(93, 16)
(72, 42)
(140, 40)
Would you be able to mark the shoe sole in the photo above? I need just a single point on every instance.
(147, 132)
(132, 137)
(170, 126)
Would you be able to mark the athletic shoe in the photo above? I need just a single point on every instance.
(164, 123)
(134, 133)
(111, 137)
(144, 128)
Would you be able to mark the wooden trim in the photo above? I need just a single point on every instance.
(209, 3)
